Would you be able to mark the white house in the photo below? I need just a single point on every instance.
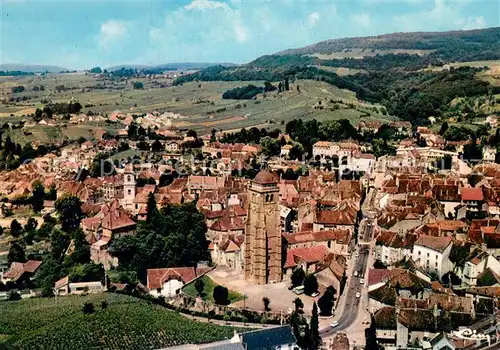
(391, 247)
(489, 154)
(432, 254)
(477, 265)
(168, 282)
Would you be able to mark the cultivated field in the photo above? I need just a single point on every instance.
(201, 102)
(126, 323)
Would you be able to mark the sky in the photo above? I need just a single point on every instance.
(80, 34)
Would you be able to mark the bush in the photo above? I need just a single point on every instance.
(221, 295)
(88, 308)
(104, 305)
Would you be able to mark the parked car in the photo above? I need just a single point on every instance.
(335, 324)
(298, 290)
(358, 294)
(315, 294)
(356, 273)
(361, 281)
(357, 254)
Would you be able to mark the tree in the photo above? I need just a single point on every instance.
(157, 146)
(138, 85)
(51, 195)
(37, 197)
(310, 284)
(298, 304)
(325, 303)
(371, 336)
(96, 70)
(38, 115)
(200, 286)
(16, 253)
(315, 339)
(192, 133)
(88, 308)
(30, 225)
(444, 128)
(297, 278)
(213, 137)
(69, 210)
(152, 210)
(266, 303)
(221, 295)
(16, 228)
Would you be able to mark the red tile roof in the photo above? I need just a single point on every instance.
(17, 269)
(157, 277)
(437, 243)
(341, 236)
(471, 194)
(309, 255)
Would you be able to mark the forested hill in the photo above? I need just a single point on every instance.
(467, 45)
(398, 79)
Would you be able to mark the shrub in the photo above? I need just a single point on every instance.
(88, 308)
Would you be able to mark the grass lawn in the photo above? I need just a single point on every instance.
(208, 291)
(126, 323)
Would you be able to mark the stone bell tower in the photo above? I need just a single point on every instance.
(263, 262)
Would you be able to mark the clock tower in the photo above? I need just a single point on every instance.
(263, 262)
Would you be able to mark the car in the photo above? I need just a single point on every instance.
(358, 294)
(315, 294)
(355, 273)
(298, 290)
(357, 254)
(334, 324)
(361, 281)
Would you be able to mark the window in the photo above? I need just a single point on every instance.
(419, 252)
(428, 255)
(129, 192)
(436, 256)
(129, 178)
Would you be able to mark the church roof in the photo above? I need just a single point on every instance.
(264, 177)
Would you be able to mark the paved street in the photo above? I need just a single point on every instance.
(350, 314)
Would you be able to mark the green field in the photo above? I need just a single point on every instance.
(126, 323)
(200, 102)
(208, 291)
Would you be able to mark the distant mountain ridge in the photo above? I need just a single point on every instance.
(170, 66)
(31, 68)
(469, 44)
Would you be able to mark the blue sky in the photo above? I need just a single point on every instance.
(81, 34)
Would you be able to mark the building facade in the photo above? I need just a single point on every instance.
(263, 257)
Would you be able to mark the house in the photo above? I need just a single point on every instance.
(473, 199)
(20, 271)
(432, 254)
(304, 258)
(273, 338)
(276, 338)
(337, 241)
(168, 282)
(65, 287)
(391, 247)
(285, 150)
(489, 154)
(227, 250)
(344, 216)
(474, 267)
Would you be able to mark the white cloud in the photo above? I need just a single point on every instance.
(313, 18)
(202, 5)
(361, 19)
(111, 32)
(475, 23)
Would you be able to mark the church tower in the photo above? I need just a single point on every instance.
(128, 188)
(263, 233)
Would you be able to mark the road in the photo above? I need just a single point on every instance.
(352, 304)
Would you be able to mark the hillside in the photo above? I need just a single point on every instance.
(471, 45)
(126, 323)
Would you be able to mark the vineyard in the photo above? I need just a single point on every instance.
(126, 323)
